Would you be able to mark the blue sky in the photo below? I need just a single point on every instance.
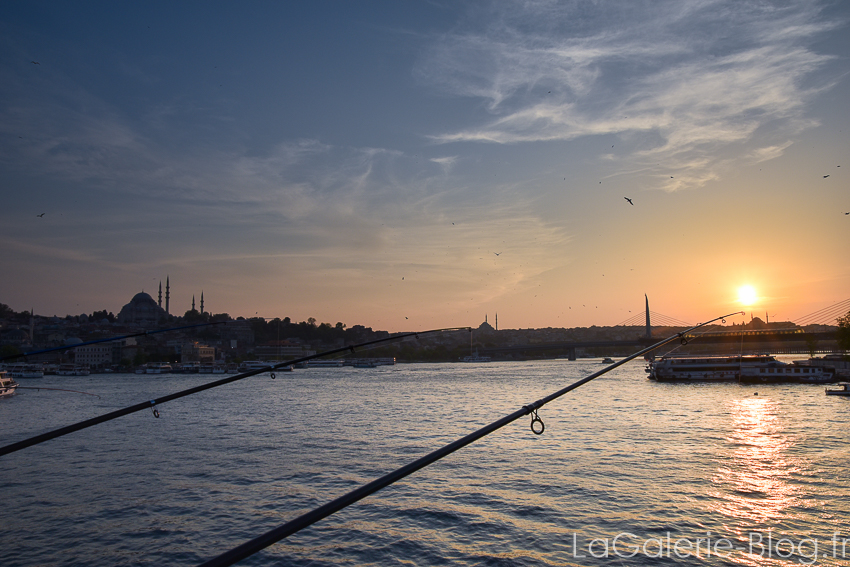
(409, 165)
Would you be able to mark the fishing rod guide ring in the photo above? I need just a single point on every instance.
(153, 409)
(536, 419)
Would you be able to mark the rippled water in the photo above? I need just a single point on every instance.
(621, 455)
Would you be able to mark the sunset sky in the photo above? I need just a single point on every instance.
(412, 165)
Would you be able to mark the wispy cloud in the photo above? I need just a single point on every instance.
(702, 76)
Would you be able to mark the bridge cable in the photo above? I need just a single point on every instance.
(154, 402)
(273, 536)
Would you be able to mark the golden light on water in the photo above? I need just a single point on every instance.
(747, 295)
(753, 485)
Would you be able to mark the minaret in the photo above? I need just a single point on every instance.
(160, 294)
(167, 294)
(202, 302)
(648, 327)
(193, 302)
(497, 321)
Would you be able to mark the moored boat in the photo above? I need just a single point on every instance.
(843, 391)
(704, 368)
(24, 370)
(158, 368)
(71, 369)
(776, 372)
(7, 385)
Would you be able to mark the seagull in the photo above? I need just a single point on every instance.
(629, 200)
(825, 176)
(35, 62)
(41, 215)
(497, 253)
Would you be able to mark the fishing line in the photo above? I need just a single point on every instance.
(56, 389)
(109, 340)
(259, 543)
(153, 403)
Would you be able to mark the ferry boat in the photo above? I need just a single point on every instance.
(777, 371)
(704, 368)
(158, 368)
(191, 367)
(71, 369)
(24, 370)
(7, 385)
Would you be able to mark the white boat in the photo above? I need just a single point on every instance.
(24, 370)
(191, 367)
(844, 391)
(71, 369)
(219, 369)
(7, 385)
(158, 368)
(777, 371)
(704, 368)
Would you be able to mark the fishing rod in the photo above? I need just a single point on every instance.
(152, 404)
(273, 536)
(109, 340)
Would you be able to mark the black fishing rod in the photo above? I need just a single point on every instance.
(259, 543)
(152, 404)
(109, 340)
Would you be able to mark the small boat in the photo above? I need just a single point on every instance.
(158, 368)
(7, 385)
(191, 367)
(844, 391)
(219, 369)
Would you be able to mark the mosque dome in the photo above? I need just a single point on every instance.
(142, 310)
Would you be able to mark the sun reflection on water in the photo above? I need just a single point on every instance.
(753, 483)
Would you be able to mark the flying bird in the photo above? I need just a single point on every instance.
(35, 62)
(497, 253)
(41, 215)
(825, 176)
(629, 200)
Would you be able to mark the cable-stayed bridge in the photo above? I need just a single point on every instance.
(792, 340)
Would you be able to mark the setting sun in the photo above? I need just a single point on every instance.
(747, 295)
